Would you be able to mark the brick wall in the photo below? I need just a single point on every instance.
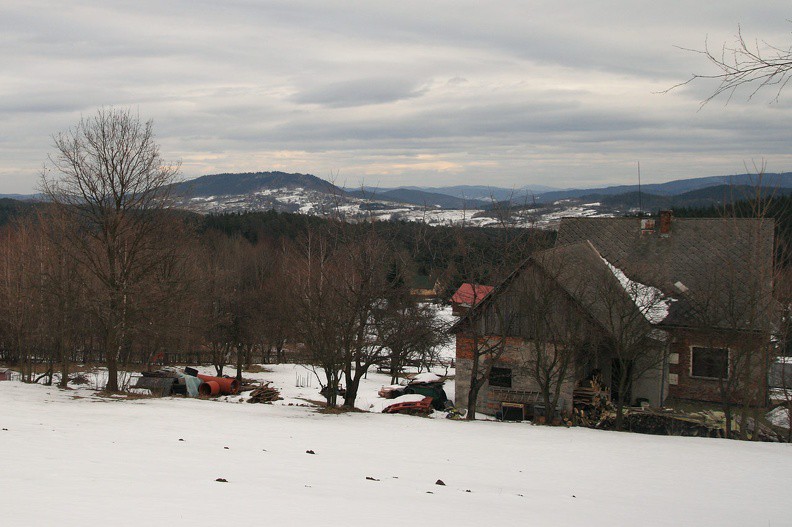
(490, 398)
(688, 387)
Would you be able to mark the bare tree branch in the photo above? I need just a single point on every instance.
(742, 63)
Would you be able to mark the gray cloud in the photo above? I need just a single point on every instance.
(398, 93)
(360, 92)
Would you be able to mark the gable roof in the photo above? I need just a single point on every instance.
(471, 294)
(718, 268)
(586, 278)
(594, 284)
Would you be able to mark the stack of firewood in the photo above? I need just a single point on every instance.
(264, 394)
(591, 404)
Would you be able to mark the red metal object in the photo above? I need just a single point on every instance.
(228, 386)
(209, 388)
(423, 406)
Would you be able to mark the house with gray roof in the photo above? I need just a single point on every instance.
(679, 308)
(720, 272)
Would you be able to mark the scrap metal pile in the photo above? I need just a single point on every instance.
(419, 406)
(168, 381)
(419, 396)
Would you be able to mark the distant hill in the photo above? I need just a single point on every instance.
(23, 197)
(308, 194)
(419, 197)
(251, 182)
(488, 193)
(679, 186)
(702, 197)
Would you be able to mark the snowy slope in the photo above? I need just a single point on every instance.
(78, 461)
(317, 203)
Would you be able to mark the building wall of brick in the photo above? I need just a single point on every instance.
(684, 386)
(491, 397)
(652, 385)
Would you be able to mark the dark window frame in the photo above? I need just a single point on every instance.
(712, 366)
(500, 377)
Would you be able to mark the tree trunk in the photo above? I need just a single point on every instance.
(353, 384)
(395, 366)
(112, 372)
(50, 369)
(63, 357)
(280, 356)
(619, 414)
(331, 395)
(549, 405)
(240, 355)
(472, 398)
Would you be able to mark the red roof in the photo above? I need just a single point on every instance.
(470, 294)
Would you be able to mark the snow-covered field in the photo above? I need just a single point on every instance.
(72, 458)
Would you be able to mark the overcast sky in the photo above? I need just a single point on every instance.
(396, 93)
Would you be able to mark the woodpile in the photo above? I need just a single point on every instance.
(264, 394)
(665, 421)
(590, 402)
(588, 395)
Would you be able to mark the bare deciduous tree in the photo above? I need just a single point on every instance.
(410, 333)
(316, 308)
(108, 177)
(635, 346)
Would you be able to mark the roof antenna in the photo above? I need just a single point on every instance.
(640, 200)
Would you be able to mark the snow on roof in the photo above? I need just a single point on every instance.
(650, 300)
(471, 294)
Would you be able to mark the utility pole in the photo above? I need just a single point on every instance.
(640, 200)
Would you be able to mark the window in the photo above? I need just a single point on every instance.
(500, 377)
(711, 363)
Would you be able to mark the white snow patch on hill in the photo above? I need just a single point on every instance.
(312, 202)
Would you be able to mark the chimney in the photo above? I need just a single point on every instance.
(647, 226)
(665, 223)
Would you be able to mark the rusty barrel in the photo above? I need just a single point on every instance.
(227, 385)
(209, 388)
